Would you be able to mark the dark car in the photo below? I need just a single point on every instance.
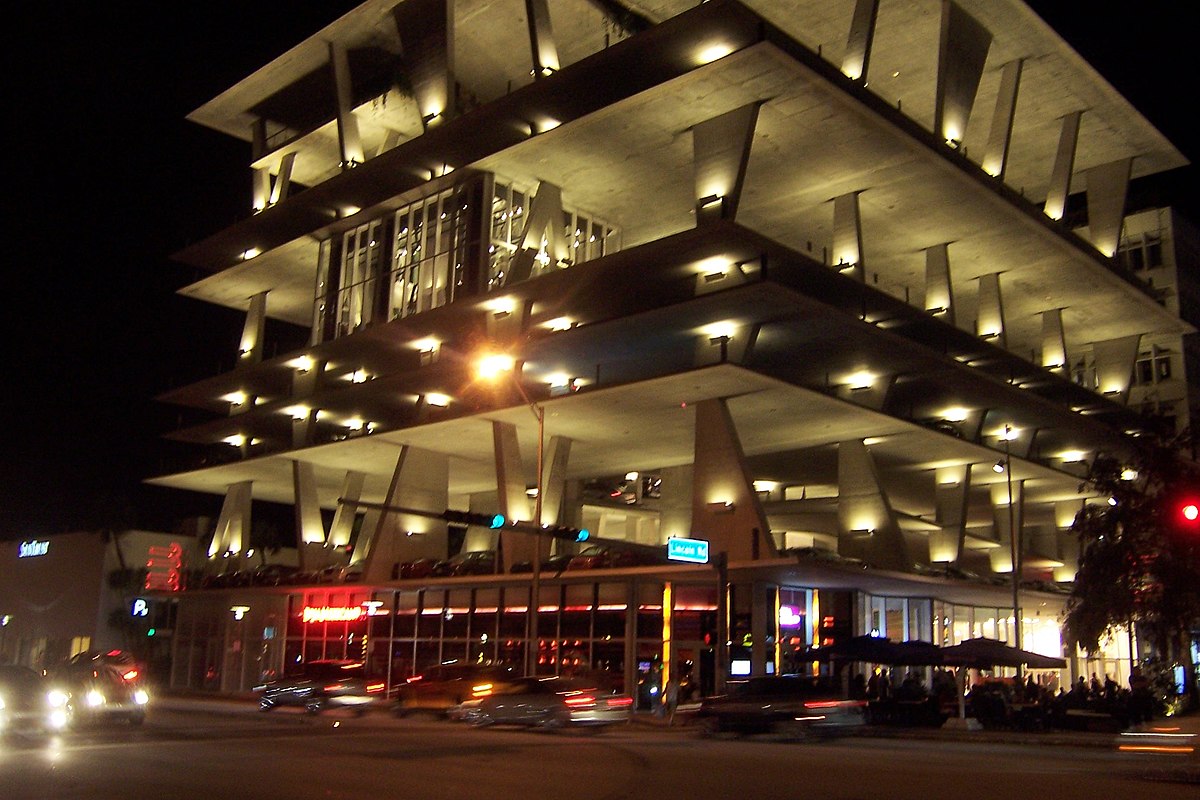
(795, 705)
(421, 568)
(25, 704)
(600, 556)
(318, 685)
(439, 688)
(555, 563)
(472, 562)
(548, 703)
(95, 687)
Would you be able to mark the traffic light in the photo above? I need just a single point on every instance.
(1189, 513)
(493, 521)
(569, 534)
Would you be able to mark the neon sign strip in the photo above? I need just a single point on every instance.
(333, 613)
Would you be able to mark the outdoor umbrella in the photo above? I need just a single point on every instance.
(879, 650)
(984, 653)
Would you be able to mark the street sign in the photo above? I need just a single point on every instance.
(693, 551)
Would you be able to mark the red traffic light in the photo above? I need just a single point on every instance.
(1190, 511)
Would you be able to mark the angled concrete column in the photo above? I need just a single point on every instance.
(310, 529)
(1068, 543)
(675, 505)
(1001, 557)
(951, 493)
(990, 323)
(939, 291)
(555, 458)
(233, 523)
(426, 32)
(420, 481)
(1064, 167)
(962, 51)
(260, 196)
(541, 38)
(1107, 186)
(1054, 341)
(514, 500)
(995, 158)
(343, 516)
(283, 181)
(304, 384)
(250, 350)
(725, 508)
(867, 526)
(857, 59)
(720, 153)
(847, 255)
(543, 223)
(349, 142)
(1115, 359)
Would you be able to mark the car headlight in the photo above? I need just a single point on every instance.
(56, 698)
(59, 719)
(141, 697)
(95, 698)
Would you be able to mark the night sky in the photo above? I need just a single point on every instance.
(110, 180)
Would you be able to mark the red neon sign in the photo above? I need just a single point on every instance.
(164, 569)
(332, 613)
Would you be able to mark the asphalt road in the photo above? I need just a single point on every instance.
(194, 752)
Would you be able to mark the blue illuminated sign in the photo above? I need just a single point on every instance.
(693, 551)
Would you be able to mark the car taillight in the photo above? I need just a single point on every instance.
(580, 700)
(374, 687)
(333, 687)
(620, 702)
(415, 678)
(130, 675)
(823, 704)
(481, 690)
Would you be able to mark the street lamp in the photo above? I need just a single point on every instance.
(1014, 542)
(490, 367)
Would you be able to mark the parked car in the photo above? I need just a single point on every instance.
(795, 705)
(548, 703)
(440, 688)
(600, 556)
(318, 685)
(274, 574)
(25, 705)
(96, 687)
(421, 568)
(471, 562)
(554, 563)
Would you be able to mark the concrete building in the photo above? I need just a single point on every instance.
(791, 278)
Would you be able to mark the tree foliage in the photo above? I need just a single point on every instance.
(1136, 564)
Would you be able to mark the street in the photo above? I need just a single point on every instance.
(189, 751)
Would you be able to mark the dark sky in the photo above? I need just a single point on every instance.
(110, 180)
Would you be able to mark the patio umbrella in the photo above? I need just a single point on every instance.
(879, 650)
(984, 653)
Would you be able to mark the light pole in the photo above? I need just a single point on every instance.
(489, 368)
(1014, 543)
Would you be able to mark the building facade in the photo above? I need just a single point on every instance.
(791, 278)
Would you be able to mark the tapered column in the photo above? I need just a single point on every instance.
(543, 224)
(251, 348)
(847, 236)
(1068, 542)
(283, 181)
(867, 526)
(720, 154)
(1115, 359)
(343, 517)
(857, 59)
(1006, 521)
(990, 324)
(962, 51)
(1054, 341)
(1064, 167)
(420, 481)
(725, 507)
(426, 32)
(349, 142)
(951, 494)
(514, 501)
(1107, 186)
(233, 523)
(310, 529)
(541, 38)
(995, 158)
(939, 290)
